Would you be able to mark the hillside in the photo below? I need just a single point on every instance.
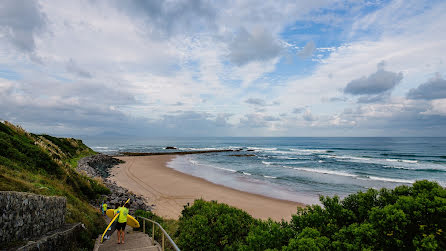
(45, 165)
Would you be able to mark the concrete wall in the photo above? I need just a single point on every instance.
(25, 215)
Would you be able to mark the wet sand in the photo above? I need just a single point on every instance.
(169, 190)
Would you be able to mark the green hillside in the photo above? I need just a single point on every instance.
(45, 165)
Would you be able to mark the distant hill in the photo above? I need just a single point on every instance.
(45, 165)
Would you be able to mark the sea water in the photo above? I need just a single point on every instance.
(302, 169)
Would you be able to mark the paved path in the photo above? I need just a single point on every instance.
(135, 241)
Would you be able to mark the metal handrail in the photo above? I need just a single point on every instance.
(162, 230)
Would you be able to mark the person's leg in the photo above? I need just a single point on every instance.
(118, 232)
(122, 237)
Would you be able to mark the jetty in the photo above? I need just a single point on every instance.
(176, 152)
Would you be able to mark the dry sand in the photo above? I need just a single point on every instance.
(169, 190)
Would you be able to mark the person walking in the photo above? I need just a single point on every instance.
(104, 208)
(122, 222)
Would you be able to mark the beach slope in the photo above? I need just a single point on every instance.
(169, 190)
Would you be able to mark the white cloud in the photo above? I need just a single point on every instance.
(139, 61)
(308, 50)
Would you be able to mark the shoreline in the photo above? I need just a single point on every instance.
(169, 190)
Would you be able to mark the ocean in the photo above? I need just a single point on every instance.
(301, 169)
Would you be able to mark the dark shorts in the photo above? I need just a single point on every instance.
(121, 226)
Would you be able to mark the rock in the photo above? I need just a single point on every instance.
(250, 150)
(171, 148)
(99, 166)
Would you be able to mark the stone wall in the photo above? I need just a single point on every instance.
(25, 215)
(64, 238)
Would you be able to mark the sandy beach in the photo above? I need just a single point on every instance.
(169, 190)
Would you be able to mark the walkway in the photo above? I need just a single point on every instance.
(135, 241)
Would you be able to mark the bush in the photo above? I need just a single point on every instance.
(267, 235)
(212, 226)
(405, 218)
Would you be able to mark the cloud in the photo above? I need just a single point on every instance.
(379, 82)
(398, 118)
(82, 105)
(438, 107)
(337, 99)
(366, 99)
(308, 50)
(130, 65)
(298, 110)
(271, 118)
(222, 119)
(20, 21)
(257, 120)
(72, 67)
(256, 101)
(435, 88)
(308, 116)
(257, 45)
(167, 18)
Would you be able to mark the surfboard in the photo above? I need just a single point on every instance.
(131, 221)
(111, 227)
(110, 213)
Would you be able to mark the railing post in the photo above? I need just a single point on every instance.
(163, 242)
(144, 225)
(163, 232)
(153, 233)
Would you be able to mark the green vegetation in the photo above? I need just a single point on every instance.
(405, 218)
(45, 165)
(169, 225)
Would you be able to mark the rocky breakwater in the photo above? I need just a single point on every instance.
(98, 166)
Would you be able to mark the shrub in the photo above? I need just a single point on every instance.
(405, 218)
(212, 226)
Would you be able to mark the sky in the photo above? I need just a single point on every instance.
(105, 68)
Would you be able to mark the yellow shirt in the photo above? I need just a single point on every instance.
(123, 212)
(104, 207)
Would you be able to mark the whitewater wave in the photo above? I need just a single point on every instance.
(324, 171)
(402, 163)
(198, 149)
(308, 151)
(226, 169)
(392, 180)
(193, 162)
(285, 157)
(262, 148)
(270, 177)
(419, 168)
